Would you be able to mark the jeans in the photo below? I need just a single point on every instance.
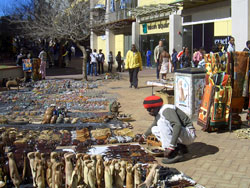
(110, 65)
(93, 65)
(133, 76)
(100, 68)
(88, 67)
(157, 70)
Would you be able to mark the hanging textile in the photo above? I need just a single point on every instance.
(220, 108)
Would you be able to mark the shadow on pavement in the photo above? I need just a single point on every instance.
(199, 149)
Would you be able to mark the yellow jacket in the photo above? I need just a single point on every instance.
(133, 60)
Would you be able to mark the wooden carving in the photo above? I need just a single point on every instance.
(49, 174)
(40, 179)
(14, 175)
(91, 176)
(85, 170)
(57, 176)
(129, 176)
(149, 179)
(31, 157)
(99, 171)
(68, 168)
(107, 175)
(122, 173)
(117, 178)
(156, 177)
(137, 175)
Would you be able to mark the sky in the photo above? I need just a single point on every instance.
(6, 6)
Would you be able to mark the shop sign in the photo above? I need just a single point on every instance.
(158, 26)
(221, 39)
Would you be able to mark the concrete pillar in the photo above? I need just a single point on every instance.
(93, 40)
(240, 22)
(175, 39)
(110, 43)
(136, 34)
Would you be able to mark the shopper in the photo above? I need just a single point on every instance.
(134, 65)
(110, 62)
(101, 59)
(185, 58)
(118, 59)
(165, 63)
(148, 56)
(93, 62)
(157, 52)
(88, 52)
(247, 48)
(231, 45)
(171, 126)
(174, 59)
(197, 57)
(43, 57)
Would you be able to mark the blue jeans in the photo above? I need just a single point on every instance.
(95, 67)
(88, 68)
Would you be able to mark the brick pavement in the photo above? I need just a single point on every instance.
(215, 160)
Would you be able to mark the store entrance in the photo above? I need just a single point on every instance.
(150, 42)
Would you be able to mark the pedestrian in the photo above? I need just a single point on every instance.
(174, 59)
(185, 58)
(165, 63)
(231, 45)
(20, 57)
(110, 62)
(118, 59)
(93, 62)
(247, 48)
(157, 52)
(101, 59)
(171, 126)
(148, 55)
(134, 65)
(43, 57)
(88, 52)
(197, 57)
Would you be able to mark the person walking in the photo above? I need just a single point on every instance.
(197, 57)
(88, 51)
(171, 126)
(101, 59)
(94, 57)
(119, 62)
(247, 48)
(43, 57)
(134, 65)
(231, 45)
(110, 62)
(148, 55)
(165, 63)
(174, 59)
(157, 52)
(185, 58)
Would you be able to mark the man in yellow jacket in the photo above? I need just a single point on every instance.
(134, 65)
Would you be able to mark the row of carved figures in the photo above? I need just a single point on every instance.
(82, 170)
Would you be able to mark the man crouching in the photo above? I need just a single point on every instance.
(171, 126)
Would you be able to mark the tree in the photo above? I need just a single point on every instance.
(58, 19)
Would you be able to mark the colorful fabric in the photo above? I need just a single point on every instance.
(241, 61)
(27, 65)
(221, 106)
(204, 112)
(152, 101)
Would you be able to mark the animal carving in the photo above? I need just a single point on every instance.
(68, 168)
(149, 179)
(129, 177)
(14, 175)
(13, 83)
(99, 171)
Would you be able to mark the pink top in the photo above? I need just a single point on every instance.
(197, 56)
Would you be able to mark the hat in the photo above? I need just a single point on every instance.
(152, 101)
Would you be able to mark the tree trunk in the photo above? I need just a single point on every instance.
(84, 61)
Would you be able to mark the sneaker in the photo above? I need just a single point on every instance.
(175, 159)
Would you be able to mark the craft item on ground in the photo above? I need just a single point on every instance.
(124, 132)
(14, 174)
(114, 108)
(153, 141)
(101, 134)
(68, 168)
(243, 133)
(107, 175)
(83, 134)
(99, 171)
(155, 151)
(129, 176)
(150, 177)
(137, 174)
(124, 117)
(40, 177)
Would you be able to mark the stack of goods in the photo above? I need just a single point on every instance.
(83, 170)
(226, 83)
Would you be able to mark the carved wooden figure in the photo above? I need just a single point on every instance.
(85, 170)
(14, 175)
(107, 175)
(91, 176)
(57, 177)
(149, 179)
(74, 179)
(129, 176)
(156, 177)
(117, 178)
(99, 171)
(68, 168)
(137, 175)
(122, 173)
(31, 157)
(3, 178)
(78, 168)
(40, 179)
(49, 174)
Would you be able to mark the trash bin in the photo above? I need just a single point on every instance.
(189, 85)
